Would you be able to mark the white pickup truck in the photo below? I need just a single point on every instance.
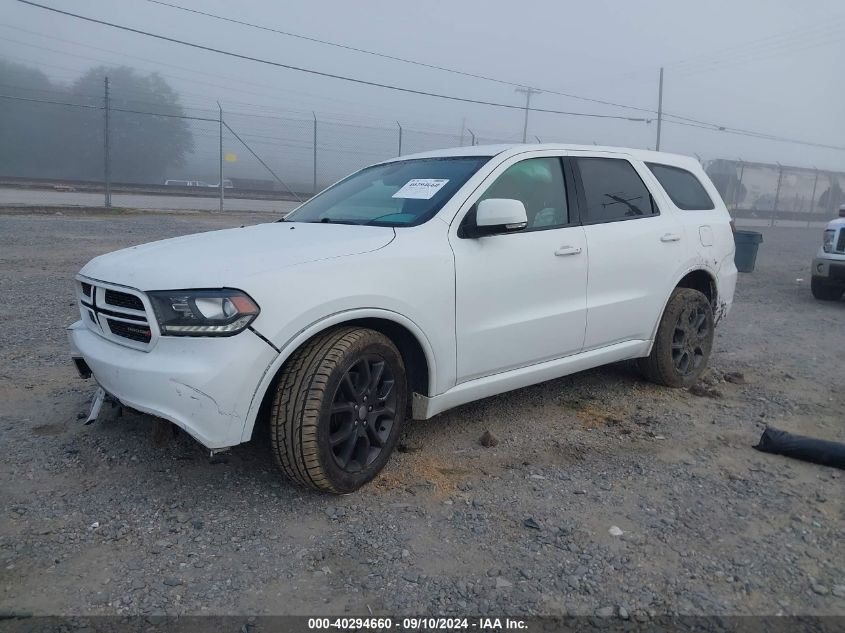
(828, 280)
(408, 288)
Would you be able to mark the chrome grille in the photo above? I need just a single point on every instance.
(116, 313)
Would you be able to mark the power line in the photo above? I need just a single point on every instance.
(326, 74)
(519, 86)
(88, 106)
(396, 58)
(706, 124)
(784, 38)
(766, 137)
(157, 63)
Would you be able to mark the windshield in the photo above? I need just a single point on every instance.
(404, 193)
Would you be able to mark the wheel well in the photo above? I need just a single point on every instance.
(702, 281)
(416, 365)
(409, 347)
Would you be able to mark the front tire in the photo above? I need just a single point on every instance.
(338, 409)
(684, 340)
(823, 291)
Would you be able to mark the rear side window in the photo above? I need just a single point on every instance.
(685, 190)
(614, 190)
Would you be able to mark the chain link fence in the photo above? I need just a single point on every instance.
(762, 193)
(134, 154)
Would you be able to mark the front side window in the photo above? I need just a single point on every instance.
(403, 193)
(537, 183)
(685, 190)
(614, 190)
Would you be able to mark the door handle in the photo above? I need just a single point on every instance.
(670, 237)
(567, 250)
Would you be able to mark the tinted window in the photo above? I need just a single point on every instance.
(613, 190)
(683, 187)
(538, 184)
(401, 193)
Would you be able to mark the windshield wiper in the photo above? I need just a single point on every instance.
(377, 218)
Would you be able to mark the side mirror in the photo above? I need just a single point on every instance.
(499, 215)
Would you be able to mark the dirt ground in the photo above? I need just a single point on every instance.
(99, 520)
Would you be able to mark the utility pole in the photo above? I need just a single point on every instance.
(738, 191)
(400, 138)
(314, 184)
(813, 197)
(220, 174)
(659, 109)
(106, 166)
(527, 92)
(777, 195)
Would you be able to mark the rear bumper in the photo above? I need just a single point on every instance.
(725, 288)
(204, 385)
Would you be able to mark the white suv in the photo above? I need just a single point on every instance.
(408, 288)
(828, 280)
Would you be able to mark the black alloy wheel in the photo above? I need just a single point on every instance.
(362, 414)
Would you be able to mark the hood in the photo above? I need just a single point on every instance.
(218, 259)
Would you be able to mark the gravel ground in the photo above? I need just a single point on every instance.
(605, 494)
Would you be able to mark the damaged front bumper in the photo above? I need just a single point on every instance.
(203, 385)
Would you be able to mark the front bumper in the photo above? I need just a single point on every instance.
(830, 269)
(203, 385)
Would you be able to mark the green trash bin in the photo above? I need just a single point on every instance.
(747, 243)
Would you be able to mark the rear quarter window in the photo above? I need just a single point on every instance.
(683, 187)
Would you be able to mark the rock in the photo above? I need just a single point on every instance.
(703, 391)
(735, 377)
(501, 583)
(839, 591)
(405, 553)
(709, 377)
(531, 523)
(172, 581)
(605, 612)
(615, 531)
(623, 613)
(819, 589)
(488, 440)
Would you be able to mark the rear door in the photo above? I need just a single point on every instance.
(635, 247)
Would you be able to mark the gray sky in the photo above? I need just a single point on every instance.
(773, 66)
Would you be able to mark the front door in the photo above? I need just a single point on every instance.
(521, 296)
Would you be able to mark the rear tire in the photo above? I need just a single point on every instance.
(824, 291)
(338, 409)
(684, 340)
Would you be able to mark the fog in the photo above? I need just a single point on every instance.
(772, 67)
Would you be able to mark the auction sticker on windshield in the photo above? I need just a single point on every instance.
(421, 188)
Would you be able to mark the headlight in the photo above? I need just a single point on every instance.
(203, 312)
(827, 242)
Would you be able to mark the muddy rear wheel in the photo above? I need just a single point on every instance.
(684, 340)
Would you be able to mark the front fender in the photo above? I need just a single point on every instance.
(294, 343)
